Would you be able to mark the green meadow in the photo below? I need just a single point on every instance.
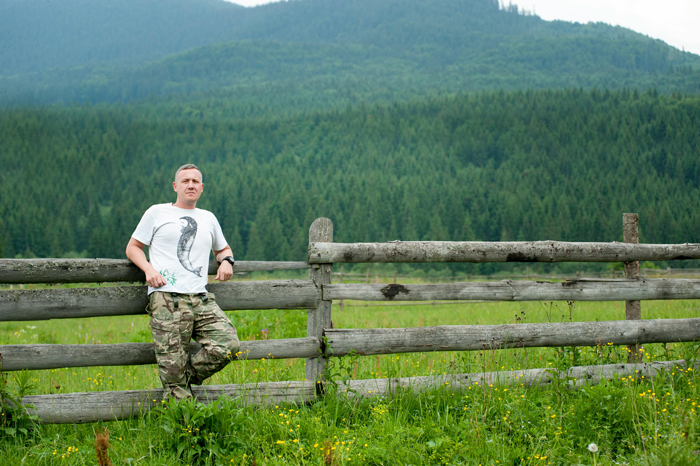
(629, 421)
(409, 120)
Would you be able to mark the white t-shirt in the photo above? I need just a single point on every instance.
(180, 241)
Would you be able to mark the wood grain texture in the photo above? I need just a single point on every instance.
(319, 318)
(486, 337)
(35, 357)
(76, 408)
(105, 270)
(536, 251)
(45, 304)
(582, 375)
(509, 290)
(633, 308)
(630, 230)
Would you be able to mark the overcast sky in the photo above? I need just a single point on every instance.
(676, 22)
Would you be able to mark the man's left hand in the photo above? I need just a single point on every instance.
(225, 272)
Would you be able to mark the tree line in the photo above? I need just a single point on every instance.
(525, 165)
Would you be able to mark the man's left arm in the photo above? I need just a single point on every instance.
(225, 271)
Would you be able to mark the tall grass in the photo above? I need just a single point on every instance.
(631, 422)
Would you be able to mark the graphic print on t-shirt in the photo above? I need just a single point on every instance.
(168, 276)
(184, 246)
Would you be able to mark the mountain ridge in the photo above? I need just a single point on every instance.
(93, 28)
(408, 47)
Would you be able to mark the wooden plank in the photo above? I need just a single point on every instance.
(319, 317)
(582, 375)
(486, 337)
(105, 270)
(479, 251)
(633, 308)
(35, 357)
(508, 290)
(71, 303)
(76, 408)
(421, 303)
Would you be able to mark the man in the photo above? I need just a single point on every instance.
(179, 237)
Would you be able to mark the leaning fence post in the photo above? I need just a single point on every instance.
(633, 309)
(321, 231)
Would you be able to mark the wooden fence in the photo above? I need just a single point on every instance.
(367, 277)
(316, 294)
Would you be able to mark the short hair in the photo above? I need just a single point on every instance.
(189, 166)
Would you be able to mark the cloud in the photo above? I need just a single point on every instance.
(673, 21)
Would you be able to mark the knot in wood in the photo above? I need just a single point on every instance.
(390, 291)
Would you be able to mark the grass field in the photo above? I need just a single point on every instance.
(650, 422)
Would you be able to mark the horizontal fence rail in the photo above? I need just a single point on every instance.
(578, 376)
(341, 342)
(35, 357)
(23, 271)
(76, 408)
(45, 304)
(507, 290)
(316, 295)
(109, 406)
(520, 251)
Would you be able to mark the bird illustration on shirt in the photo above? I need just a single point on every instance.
(184, 245)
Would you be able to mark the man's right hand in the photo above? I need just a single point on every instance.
(154, 279)
(134, 252)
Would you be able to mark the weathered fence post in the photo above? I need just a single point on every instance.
(633, 309)
(321, 231)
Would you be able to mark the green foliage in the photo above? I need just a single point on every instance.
(16, 421)
(340, 371)
(560, 165)
(202, 433)
(632, 420)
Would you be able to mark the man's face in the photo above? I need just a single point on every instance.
(188, 186)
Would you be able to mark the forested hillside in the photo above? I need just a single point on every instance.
(38, 35)
(312, 77)
(535, 165)
(338, 51)
(42, 35)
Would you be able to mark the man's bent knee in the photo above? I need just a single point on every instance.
(232, 348)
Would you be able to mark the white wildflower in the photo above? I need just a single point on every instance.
(593, 448)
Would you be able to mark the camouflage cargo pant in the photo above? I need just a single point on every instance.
(177, 318)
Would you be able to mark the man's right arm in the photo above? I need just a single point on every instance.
(134, 252)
